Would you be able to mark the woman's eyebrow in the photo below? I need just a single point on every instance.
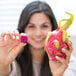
(41, 24)
(46, 23)
(31, 23)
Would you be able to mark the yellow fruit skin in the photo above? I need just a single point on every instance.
(64, 36)
(57, 45)
(48, 35)
(65, 23)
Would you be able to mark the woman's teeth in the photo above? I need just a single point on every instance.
(38, 39)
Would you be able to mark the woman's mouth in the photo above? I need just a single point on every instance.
(39, 39)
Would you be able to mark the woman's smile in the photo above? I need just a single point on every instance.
(38, 39)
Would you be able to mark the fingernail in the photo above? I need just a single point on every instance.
(13, 37)
(23, 34)
(63, 49)
(17, 37)
(56, 57)
(5, 37)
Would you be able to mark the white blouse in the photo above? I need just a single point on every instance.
(70, 71)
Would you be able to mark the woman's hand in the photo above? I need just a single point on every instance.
(10, 46)
(58, 68)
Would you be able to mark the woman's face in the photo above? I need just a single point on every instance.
(38, 27)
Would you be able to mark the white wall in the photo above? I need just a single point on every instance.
(10, 11)
(60, 6)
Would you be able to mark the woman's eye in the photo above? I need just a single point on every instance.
(45, 26)
(31, 26)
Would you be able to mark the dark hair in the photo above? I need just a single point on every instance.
(24, 58)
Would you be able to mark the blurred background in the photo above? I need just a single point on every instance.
(10, 11)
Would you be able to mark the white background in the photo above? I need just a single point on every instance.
(10, 11)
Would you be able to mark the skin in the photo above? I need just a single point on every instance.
(37, 29)
(10, 47)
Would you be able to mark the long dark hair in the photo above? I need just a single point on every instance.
(24, 58)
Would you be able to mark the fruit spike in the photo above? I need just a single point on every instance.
(49, 34)
(65, 36)
(67, 23)
(56, 40)
(57, 45)
(24, 38)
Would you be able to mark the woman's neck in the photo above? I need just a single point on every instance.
(37, 54)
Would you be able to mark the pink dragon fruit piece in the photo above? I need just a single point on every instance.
(24, 38)
(57, 39)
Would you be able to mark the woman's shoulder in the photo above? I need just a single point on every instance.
(15, 69)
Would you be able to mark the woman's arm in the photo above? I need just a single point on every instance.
(10, 46)
(14, 70)
(4, 71)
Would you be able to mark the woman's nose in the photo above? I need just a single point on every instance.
(38, 32)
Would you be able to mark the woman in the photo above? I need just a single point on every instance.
(19, 59)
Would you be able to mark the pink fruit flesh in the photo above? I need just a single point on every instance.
(24, 39)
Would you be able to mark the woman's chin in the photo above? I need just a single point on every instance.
(37, 46)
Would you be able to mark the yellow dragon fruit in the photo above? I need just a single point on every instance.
(56, 40)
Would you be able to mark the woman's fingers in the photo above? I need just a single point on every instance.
(61, 60)
(68, 51)
(15, 39)
(4, 39)
(2, 36)
(15, 52)
(70, 45)
(10, 46)
(68, 54)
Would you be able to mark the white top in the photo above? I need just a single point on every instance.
(70, 71)
(36, 68)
